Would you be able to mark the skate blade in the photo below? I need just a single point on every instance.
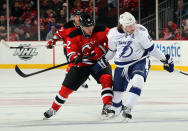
(45, 118)
(110, 116)
(125, 120)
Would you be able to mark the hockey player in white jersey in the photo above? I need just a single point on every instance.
(130, 42)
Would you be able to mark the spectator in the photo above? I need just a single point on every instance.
(102, 11)
(168, 34)
(52, 22)
(44, 5)
(3, 9)
(12, 35)
(77, 5)
(185, 25)
(152, 34)
(56, 5)
(186, 35)
(29, 16)
(3, 32)
(64, 7)
(23, 35)
(179, 35)
(49, 14)
(129, 6)
(180, 11)
(90, 9)
(16, 10)
(51, 33)
(3, 21)
(43, 32)
(161, 36)
(61, 19)
(171, 25)
(112, 8)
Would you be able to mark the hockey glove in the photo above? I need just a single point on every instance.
(100, 65)
(51, 43)
(98, 53)
(168, 63)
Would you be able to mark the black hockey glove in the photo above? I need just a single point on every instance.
(101, 64)
(168, 63)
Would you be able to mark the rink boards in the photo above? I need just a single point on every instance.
(38, 57)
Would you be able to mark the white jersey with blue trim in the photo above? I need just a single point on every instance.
(130, 47)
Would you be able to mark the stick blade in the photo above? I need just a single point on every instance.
(183, 73)
(19, 72)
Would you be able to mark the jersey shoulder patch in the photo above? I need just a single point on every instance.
(75, 33)
(68, 25)
(99, 29)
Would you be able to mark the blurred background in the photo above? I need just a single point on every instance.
(33, 20)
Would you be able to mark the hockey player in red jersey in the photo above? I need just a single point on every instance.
(62, 33)
(86, 46)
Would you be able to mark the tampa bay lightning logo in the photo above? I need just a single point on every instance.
(127, 50)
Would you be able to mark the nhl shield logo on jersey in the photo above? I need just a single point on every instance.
(25, 53)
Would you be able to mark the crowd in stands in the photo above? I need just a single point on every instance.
(177, 29)
(23, 16)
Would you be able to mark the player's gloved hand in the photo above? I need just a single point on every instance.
(50, 44)
(97, 53)
(78, 60)
(168, 63)
(101, 64)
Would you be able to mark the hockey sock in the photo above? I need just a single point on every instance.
(117, 99)
(106, 94)
(61, 97)
(117, 102)
(135, 91)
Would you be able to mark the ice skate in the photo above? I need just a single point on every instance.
(49, 113)
(127, 113)
(107, 112)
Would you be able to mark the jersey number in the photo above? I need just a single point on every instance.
(68, 44)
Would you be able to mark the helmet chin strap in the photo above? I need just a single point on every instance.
(85, 35)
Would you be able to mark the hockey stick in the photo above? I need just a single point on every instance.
(17, 69)
(179, 71)
(4, 43)
(20, 47)
(136, 61)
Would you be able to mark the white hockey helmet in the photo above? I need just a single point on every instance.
(126, 19)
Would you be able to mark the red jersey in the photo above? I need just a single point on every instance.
(64, 31)
(79, 45)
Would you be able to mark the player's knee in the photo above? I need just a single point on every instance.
(106, 80)
(138, 81)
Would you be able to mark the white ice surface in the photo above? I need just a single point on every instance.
(163, 105)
